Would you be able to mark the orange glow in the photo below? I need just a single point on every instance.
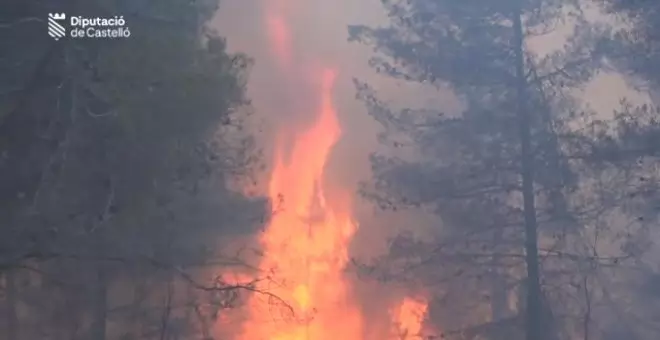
(277, 13)
(408, 318)
(280, 37)
(305, 245)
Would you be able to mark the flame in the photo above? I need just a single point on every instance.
(280, 37)
(278, 31)
(305, 245)
(408, 318)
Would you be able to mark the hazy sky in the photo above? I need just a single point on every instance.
(319, 34)
(319, 30)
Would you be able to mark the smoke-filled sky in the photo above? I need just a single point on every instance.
(319, 32)
(319, 36)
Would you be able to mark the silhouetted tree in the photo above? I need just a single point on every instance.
(106, 147)
(497, 172)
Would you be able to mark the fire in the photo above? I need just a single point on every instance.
(305, 245)
(278, 31)
(407, 318)
(280, 36)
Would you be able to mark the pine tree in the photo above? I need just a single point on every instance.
(497, 168)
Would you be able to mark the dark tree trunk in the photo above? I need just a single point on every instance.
(533, 299)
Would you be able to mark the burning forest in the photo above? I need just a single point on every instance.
(306, 244)
(329, 170)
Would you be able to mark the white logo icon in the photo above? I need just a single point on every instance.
(55, 29)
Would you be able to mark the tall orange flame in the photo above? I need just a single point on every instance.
(305, 246)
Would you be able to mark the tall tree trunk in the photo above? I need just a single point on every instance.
(533, 300)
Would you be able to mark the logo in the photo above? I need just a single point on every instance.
(98, 27)
(55, 29)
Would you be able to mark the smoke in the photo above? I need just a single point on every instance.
(316, 36)
(285, 57)
(292, 42)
